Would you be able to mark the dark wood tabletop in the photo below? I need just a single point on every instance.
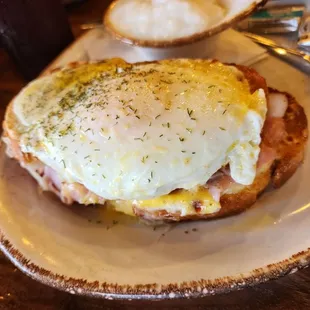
(17, 291)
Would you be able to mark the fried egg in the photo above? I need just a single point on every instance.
(137, 132)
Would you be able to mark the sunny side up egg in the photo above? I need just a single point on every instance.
(138, 132)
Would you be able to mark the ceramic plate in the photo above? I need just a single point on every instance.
(85, 250)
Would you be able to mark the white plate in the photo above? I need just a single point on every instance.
(84, 250)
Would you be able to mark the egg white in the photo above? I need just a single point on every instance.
(137, 132)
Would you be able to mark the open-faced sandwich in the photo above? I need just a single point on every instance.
(164, 141)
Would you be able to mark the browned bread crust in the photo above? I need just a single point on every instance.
(289, 151)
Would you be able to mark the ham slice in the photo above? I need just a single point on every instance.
(274, 128)
(274, 131)
(277, 105)
(219, 184)
(266, 157)
(70, 192)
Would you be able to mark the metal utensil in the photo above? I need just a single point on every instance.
(304, 33)
(275, 19)
(296, 57)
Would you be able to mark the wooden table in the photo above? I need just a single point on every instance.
(17, 291)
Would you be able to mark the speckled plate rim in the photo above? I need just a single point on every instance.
(184, 40)
(153, 291)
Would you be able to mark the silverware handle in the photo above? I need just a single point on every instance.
(299, 60)
(295, 57)
(294, 52)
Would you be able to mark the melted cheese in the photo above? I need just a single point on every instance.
(180, 202)
(138, 132)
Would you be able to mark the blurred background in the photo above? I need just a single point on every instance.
(35, 32)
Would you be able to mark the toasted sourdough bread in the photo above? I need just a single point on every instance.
(283, 144)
